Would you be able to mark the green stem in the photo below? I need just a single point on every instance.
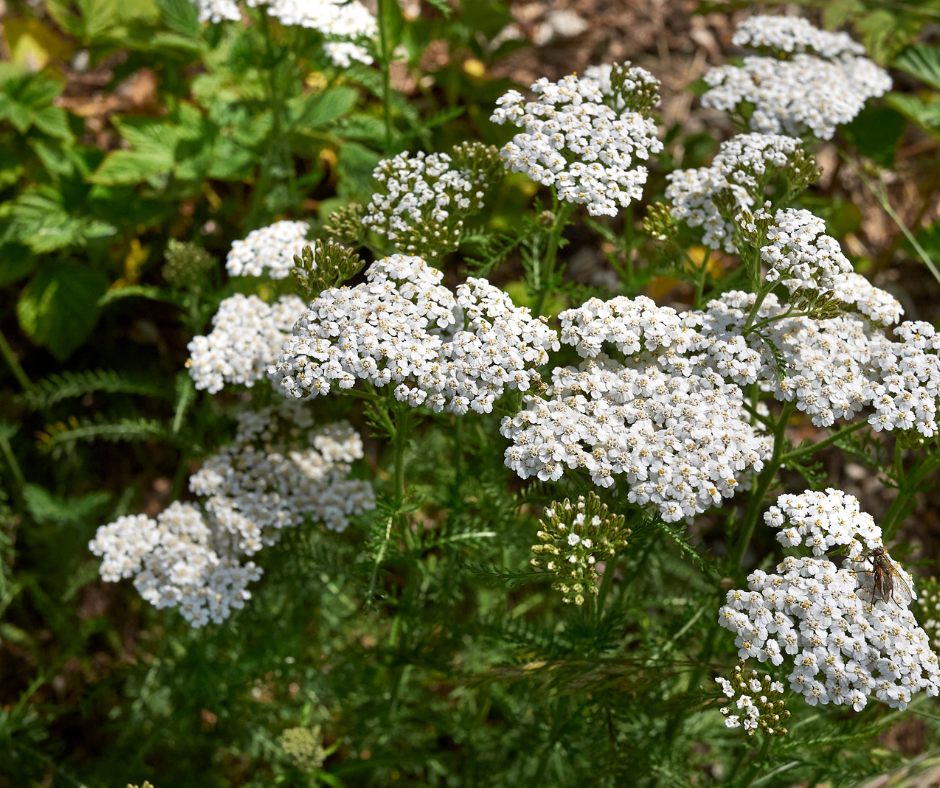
(906, 492)
(848, 429)
(880, 195)
(386, 75)
(13, 362)
(763, 484)
(7, 450)
(547, 267)
(606, 582)
(758, 760)
(628, 244)
(752, 315)
(400, 443)
(700, 281)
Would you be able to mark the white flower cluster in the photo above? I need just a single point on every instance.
(246, 338)
(402, 327)
(804, 93)
(575, 141)
(666, 420)
(270, 249)
(177, 560)
(793, 34)
(742, 165)
(334, 19)
(822, 521)
(264, 482)
(347, 20)
(844, 647)
(801, 253)
(758, 704)
(422, 201)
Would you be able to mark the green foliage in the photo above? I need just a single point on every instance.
(420, 646)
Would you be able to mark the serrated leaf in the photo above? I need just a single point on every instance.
(150, 292)
(181, 17)
(355, 165)
(922, 62)
(45, 507)
(323, 108)
(16, 261)
(41, 222)
(59, 308)
(876, 132)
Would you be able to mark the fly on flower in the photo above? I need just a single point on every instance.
(888, 584)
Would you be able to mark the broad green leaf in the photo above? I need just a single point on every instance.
(323, 108)
(355, 165)
(876, 133)
(181, 17)
(922, 62)
(925, 114)
(41, 221)
(59, 307)
(136, 291)
(16, 261)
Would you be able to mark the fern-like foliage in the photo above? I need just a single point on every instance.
(68, 385)
(124, 430)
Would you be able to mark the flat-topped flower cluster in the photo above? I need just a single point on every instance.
(743, 167)
(844, 646)
(246, 338)
(425, 198)
(344, 23)
(823, 81)
(403, 328)
(278, 472)
(577, 140)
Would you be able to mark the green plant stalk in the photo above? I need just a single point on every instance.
(628, 244)
(606, 582)
(547, 266)
(906, 492)
(15, 468)
(763, 484)
(848, 429)
(386, 75)
(10, 357)
(279, 147)
(700, 281)
(882, 198)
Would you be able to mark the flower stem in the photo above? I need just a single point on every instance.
(763, 484)
(386, 75)
(547, 267)
(906, 492)
(13, 362)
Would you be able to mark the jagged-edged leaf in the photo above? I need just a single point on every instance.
(180, 16)
(45, 507)
(322, 109)
(150, 292)
(16, 261)
(59, 307)
(125, 430)
(922, 62)
(876, 132)
(41, 221)
(45, 393)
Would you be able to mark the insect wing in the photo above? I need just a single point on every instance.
(902, 589)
